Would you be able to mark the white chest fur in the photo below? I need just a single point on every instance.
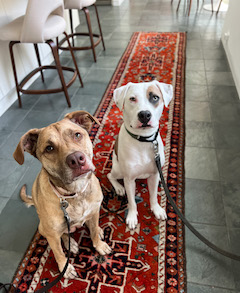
(136, 158)
(81, 210)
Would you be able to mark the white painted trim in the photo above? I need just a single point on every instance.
(231, 42)
(117, 2)
(7, 100)
(232, 65)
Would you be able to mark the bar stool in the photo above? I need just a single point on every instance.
(190, 5)
(42, 22)
(83, 5)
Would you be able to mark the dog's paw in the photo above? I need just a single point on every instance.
(73, 244)
(132, 220)
(159, 212)
(103, 248)
(119, 189)
(70, 272)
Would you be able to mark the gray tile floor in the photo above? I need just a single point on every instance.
(212, 156)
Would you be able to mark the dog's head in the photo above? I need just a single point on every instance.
(142, 104)
(64, 148)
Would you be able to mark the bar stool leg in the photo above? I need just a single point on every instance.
(39, 60)
(219, 6)
(189, 9)
(11, 44)
(99, 25)
(71, 24)
(54, 49)
(86, 11)
(74, 59)
(178, 4)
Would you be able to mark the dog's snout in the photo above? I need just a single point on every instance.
(144, 116)
(76, 160)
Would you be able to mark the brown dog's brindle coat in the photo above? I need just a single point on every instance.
(65, 152)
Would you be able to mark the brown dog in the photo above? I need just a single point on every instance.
(65, 152)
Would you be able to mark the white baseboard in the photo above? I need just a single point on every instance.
(232, 65)
(117, 2)
(11, 96)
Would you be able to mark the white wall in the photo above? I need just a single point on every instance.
(25, 57)
(231, 39)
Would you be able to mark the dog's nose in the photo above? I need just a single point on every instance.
(76, 160)
(144, 116)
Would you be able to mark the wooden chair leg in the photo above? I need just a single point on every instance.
(99, 26)
(39, 60)
(54, 50)
(71, 24)
(86, 11)
(74, 59)
(11, 44)
(212, 5)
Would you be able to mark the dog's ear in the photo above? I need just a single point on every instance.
(27, 143)
(82, 118)
(119, 95)
(167, 91)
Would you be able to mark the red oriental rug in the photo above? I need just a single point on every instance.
(150, 258)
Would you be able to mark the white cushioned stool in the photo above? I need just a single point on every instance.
(42, 22)
(83, 5)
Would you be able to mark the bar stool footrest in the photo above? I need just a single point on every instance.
(45, 91)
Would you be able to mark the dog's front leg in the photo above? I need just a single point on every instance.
(73, 244)
(96, 234)
(130, 186)
(55, 243)
(158, 211)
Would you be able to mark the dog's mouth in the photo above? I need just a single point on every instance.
(81, 172)
(142, 126)
(146, 126)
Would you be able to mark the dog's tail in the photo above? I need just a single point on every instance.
(26, 198)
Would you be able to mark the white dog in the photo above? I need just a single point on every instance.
(133, 157)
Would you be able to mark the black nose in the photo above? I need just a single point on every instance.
(76, 160)
(144, 116)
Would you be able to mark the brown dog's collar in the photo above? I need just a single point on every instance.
(65, 195)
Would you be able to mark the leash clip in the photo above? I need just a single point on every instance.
(64, 204)
(155, 149)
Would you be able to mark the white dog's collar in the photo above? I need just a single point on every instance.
(143, 138)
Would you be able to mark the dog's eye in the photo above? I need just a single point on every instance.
(77, 135)
(49, 148)
(132, 99)
(153, 98)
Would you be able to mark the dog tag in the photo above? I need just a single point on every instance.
(64, 204)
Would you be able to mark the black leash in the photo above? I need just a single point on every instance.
(64, 205)
(181, 216)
